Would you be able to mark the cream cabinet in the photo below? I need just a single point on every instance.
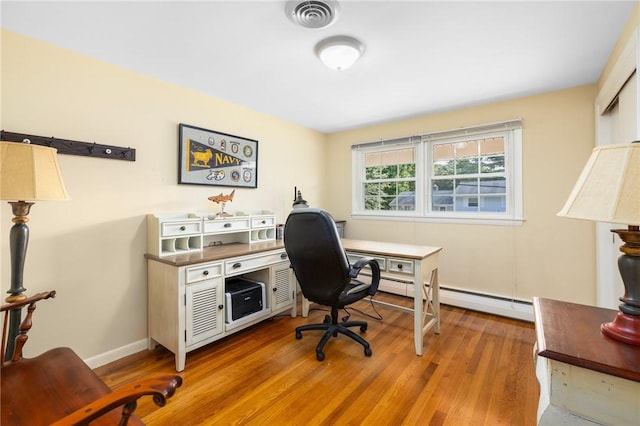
(186, 290)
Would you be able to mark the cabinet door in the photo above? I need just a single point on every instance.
(282, 286)
(204, 310)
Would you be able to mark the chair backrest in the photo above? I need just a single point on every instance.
(319, 262)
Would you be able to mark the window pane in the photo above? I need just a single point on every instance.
(442, 195)
(407, 170)
(467, 149)
(443, 151)
(492, 164)
(372, 159)
(444, 168)
(371, 173)
(389, 172)
(493, 185)
(492, 146)
(466, 187)
(493, 203)
(467, 166)
(371, 203)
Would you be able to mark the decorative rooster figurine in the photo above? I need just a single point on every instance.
(222, 199)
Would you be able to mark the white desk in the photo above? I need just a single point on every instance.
(405, 261)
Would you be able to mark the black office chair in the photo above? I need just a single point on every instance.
(324, 274)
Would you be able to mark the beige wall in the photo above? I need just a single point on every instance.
(90, 249)
(546, 256)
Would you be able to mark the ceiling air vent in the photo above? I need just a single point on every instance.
(311, 14)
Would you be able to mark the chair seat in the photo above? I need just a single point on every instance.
(70, 384)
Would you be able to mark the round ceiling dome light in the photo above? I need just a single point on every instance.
(339, 52)
(312, 14)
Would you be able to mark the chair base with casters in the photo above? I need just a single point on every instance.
(333, 327)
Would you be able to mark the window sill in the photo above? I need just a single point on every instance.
(484, 220)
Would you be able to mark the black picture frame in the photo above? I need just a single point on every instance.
(208, 157)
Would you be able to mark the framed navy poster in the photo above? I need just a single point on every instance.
(207, 157)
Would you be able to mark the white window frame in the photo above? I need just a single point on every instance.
(512, 133)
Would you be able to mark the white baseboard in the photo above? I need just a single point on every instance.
(518, 309)
(116, 354)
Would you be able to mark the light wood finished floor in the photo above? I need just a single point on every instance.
(477, 371)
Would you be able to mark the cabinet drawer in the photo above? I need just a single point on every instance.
(233, 267)
(262, 222)
(203, 272)
(174, 229)
(353, 258)
(225, 225)
(400, 266)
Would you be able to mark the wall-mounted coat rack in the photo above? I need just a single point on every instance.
(66, 146)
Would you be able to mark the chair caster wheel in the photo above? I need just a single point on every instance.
(298, 335)
(367, 352)
(320, 356)
(327, 319)
(363, 328)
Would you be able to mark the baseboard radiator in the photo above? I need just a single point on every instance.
(498, 305)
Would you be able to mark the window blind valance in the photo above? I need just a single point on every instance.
(412, 140)
(445, 134)
(467, 131)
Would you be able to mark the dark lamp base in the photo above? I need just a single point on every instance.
(624, 328)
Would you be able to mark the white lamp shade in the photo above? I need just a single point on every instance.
(30, 173)
(339, 52)
(608, 189)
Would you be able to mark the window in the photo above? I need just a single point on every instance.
(469, 174)
(390, 179)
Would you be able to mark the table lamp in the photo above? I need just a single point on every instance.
(27, 173)
(608, 190)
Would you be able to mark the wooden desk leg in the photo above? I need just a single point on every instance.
(305, 306)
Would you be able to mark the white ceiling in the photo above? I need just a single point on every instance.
(421, 56)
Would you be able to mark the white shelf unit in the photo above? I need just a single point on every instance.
(173, 234)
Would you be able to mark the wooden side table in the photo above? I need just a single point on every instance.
(585, 377)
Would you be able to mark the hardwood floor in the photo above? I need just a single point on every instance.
(477, 371)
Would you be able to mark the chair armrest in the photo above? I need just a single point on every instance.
(161, 388)
(375, 272)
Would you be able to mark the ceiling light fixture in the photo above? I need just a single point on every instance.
(339, 52)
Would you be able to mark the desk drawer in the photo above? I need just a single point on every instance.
(353, 258)
(239, 265)
(400, 266)
(263, 222)
(225, 225)
(203, 272)
(176, 229)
